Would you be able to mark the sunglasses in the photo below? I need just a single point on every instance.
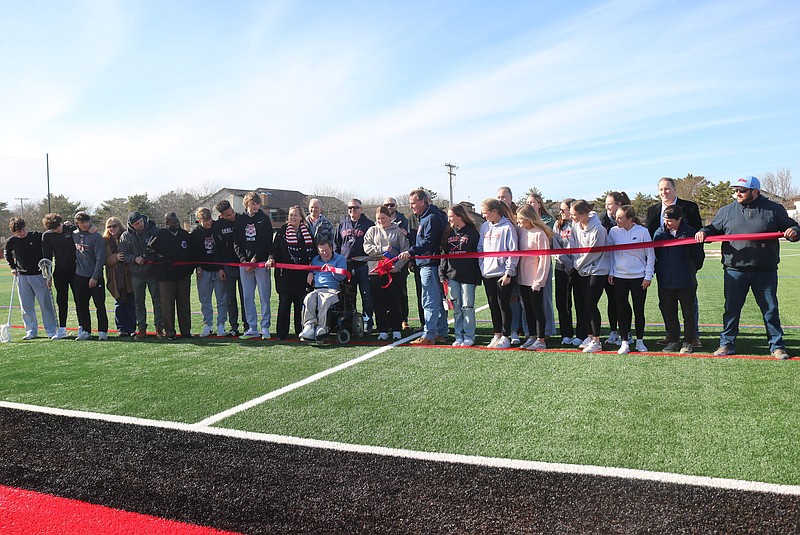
(389, 205)
(113, 225)
(354, 208)
(742, 190)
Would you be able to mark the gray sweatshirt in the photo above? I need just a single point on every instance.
(90, 254)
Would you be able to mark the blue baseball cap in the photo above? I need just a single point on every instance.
(749, 182)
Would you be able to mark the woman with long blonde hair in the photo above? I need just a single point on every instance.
(118, 279)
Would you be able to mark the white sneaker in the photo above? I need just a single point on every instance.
(640, 346)
(458, 341)
(61, 333)
(82, 335)
(503, 343)
(383, 336)
(576, 341)
(624, 348)
(308, 331)
(30, 336)
(494, 341)
(102, 336)
(265, 334)
(221, 330)
(537, 345)
(514, 340)
(528, 343)
(593, 347)
(468, 342)
(396, 335)
(249, 334)
(321, 331)
(614, 338)
(585, 343)
(206, 331)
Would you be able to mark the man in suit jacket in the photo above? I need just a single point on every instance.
(669, 196)
(691, 213)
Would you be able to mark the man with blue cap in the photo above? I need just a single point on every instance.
(751, 264)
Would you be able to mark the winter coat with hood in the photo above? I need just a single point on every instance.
(594, 235)
(677, 267)
(133, 244)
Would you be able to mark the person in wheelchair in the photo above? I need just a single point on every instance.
(325, 293)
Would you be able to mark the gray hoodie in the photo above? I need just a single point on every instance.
(594, 235)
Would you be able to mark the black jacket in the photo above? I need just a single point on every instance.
(691, 213)
(167, 248)
(292, 281)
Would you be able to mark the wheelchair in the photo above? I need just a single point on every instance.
(344, 320)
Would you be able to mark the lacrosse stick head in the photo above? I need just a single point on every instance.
(46, 266)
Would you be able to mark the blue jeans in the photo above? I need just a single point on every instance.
(360, 273)
(463, 297)
(208, 282)
(432, 306)
(258, 278)
(764, 285)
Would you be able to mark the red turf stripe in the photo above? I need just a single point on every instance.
(25, 512)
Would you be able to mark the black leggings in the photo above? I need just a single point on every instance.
(592, 287)
(499, 298)
(534, 309)
(567, 290)
(623, 287)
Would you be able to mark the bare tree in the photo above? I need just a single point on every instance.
(780, 184)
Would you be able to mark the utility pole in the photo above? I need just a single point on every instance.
(21, 208)
(452, 173)
(47, 159)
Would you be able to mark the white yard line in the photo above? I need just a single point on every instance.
(211, 420)
(494, 462)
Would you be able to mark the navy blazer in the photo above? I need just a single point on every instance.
(691, 213)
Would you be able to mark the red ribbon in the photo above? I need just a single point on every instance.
(385, 265)
(296, 267)
(608, 248)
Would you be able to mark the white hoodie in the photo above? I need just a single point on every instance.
(632, 263)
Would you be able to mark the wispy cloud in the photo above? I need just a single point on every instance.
(611, 95)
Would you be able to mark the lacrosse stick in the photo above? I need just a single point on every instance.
(5, 330)
(46, 267)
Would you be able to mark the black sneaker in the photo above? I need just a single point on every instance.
(234, 333)
(672, 347)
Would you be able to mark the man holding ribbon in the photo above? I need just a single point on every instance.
(428, 242)
(751, 264)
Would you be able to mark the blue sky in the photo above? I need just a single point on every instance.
(574, 98)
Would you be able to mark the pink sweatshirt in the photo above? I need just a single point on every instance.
(533, 270)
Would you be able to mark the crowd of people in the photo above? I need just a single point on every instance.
(533, 267)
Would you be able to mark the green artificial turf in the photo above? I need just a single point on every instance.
(723, 418)
(719, 417)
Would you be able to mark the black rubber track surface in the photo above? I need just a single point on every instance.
(257, 487)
